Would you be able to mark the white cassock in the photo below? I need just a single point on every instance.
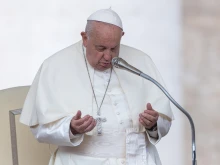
(62, 87)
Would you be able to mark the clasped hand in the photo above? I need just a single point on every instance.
(149, 117)
(80, 125)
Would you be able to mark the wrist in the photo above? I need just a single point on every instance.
(153, 128)
(74, 132)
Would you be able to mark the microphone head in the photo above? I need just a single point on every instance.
(115, 62)
(122, 64)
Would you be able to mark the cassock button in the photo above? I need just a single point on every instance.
(118, 113)
(121, 122)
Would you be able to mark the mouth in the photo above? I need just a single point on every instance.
(105, 64)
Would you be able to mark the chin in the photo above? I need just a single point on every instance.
(102, 68)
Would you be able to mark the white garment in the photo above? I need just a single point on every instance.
(55, 133)
(61, 88)
(114, 108)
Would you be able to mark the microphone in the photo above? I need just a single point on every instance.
(122, 64)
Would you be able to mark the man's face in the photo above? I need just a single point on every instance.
(102, 44)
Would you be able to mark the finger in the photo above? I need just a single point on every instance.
(91, 126)
(78, 115)
(152, 113)
(146, 121)
(73, 122)
(86, 117)
(85, 124)
(143, 123)
(82, 120)
(148, 117)
(73, 125)
(149, 107)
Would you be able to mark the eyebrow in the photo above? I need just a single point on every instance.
(104, 46)
(100, 46)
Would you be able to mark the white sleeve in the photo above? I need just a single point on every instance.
(163, 127)
(57, 133)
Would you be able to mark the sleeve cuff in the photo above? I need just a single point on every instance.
(74, 136)
(75, 139)
(153, 134)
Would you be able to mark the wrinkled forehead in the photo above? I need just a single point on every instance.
(101, 29)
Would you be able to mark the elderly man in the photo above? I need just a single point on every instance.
(94, 113)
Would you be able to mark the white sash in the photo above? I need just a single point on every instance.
(103, 146)
(130, 145)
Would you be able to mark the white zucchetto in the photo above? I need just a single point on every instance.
(107, 16)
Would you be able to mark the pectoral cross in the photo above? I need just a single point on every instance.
(99, 121)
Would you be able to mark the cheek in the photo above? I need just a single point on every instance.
(98, 56)
(94, 56)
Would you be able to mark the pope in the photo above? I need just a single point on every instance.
(94, 113)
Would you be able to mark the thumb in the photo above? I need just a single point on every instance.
(149, 107)
(78, 115)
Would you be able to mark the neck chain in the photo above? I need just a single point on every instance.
(99, 119)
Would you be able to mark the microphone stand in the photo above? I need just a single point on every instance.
(122, 64)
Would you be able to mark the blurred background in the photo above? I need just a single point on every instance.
(182, 38)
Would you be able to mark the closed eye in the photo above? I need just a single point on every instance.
(100, 48)
(114, 49)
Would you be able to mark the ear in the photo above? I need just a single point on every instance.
(84, 38)
(123, 33)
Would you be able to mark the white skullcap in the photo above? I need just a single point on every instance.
(107, 16)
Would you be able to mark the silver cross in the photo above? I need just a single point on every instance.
(99, 121)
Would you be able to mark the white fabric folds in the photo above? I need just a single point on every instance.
(104, 146)
(45, 101)
(135, 147)
(62, 87)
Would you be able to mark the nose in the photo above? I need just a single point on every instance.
(107, 55)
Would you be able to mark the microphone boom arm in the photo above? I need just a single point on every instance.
(181, 109)
(122, 64)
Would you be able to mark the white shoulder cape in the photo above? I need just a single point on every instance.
(61, 87)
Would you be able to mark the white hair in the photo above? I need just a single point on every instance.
(90, 26)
